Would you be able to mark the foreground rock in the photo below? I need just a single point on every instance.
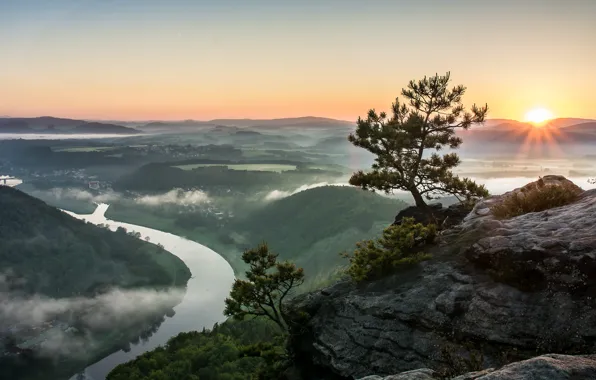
(465, 305)
(555, 248)
(551, 367)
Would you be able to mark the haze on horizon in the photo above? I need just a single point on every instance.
(207, 59)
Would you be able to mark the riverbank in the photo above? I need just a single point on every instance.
(201, 306)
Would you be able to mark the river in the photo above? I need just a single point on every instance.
(202, 306)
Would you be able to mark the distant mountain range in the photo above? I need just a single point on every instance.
(562, 130)
(54, 125)
(294, 122)
(505, 130)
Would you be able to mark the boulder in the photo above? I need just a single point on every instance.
(417, 374)
(495, 292)
(554, 248)
(551, 367)
(443, 217)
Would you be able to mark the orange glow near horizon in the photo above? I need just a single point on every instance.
(536, 138)
(208, 59)
(538, 116)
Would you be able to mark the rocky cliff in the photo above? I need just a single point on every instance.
(495, 292)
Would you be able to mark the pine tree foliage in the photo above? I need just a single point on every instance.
(268, 283)
(425, 123)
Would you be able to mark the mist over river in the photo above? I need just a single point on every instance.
(202, 305)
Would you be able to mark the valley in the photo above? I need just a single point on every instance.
(206, 200)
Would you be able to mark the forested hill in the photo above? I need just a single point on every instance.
(46, 251)
(314, 226)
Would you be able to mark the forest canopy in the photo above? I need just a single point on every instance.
(46, 251)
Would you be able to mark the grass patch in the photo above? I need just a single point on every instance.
(535, 198)
(249, 167)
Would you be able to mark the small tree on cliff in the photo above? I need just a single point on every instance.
(268, 283)
(427, 121)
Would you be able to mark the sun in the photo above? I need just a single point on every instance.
(538, 115)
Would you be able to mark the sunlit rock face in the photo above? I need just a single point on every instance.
(555, 248)
(510, 289)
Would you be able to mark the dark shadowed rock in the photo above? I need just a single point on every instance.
(484, 301)
(435, 213)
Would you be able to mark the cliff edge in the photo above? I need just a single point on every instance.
(495, 292)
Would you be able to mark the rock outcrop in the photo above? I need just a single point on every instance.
(496, 291)
(546, 367)
(435, 213)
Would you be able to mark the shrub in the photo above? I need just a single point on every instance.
(538, 197)
(373, 259)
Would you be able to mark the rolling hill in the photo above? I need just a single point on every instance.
(295, 122)
(53, 125)
(51, 253)
(563, 131)
(314, 226)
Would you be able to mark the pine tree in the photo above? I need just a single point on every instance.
(425, 123)
(268, 283)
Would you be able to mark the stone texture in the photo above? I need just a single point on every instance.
(417, 374)
(462, 302)
(444, 217)
(546, 367)
(551, 367)
(555, 248)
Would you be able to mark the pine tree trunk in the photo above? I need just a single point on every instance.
(418, 199)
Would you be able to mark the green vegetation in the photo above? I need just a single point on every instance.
(310, 228)
(427, 123)
(268, 283)
(216, 176)
(278, 168)
(536, 197)
(234, 350)
(60, 256)
(46, 253)
(313, 226)
(245, 347)
(398, 246)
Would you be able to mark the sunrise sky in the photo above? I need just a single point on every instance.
(204, 59)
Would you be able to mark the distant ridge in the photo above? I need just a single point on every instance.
(562, 130)
(54, 125)
(292, 122)
(561, 122)
(284, 122)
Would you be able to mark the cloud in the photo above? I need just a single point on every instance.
(84, 195)
(279, 194)
(115, 309)
(176, 196)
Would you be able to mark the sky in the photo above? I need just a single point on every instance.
(206, 59)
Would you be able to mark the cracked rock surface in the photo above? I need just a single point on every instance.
(464, 300)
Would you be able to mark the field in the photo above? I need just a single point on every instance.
(250, 167)
(85, 149)
(79, 149)
(329, 167)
